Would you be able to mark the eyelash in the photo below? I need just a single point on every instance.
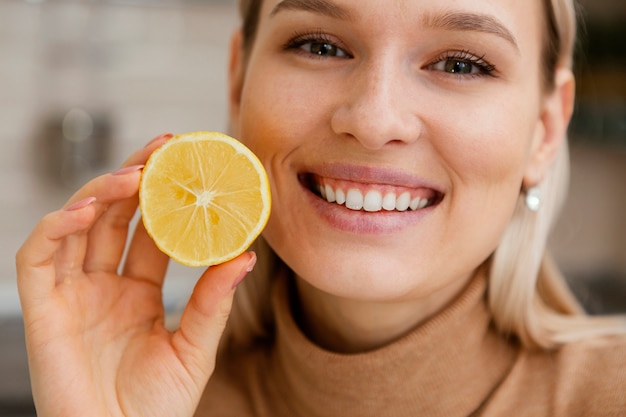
(465, 56)
(298, 40)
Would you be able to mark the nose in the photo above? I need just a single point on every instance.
(377, 108)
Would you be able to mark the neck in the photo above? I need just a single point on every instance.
(350, 326)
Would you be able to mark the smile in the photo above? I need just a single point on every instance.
(372, 197)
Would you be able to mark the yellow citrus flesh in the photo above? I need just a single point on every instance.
(204, 198)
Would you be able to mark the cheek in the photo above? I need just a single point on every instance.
(267, 124)
(485, 157)
(489, 146)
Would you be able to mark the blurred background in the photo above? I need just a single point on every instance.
(85, 82)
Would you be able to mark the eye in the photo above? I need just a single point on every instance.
(455, 66)
(462, 63)
(323, 49)
(317, 44)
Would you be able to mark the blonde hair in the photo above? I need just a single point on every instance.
(527, 296)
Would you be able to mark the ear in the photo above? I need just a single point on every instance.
(551, 130)
(236, 72)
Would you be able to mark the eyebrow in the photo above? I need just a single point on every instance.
(453, 21)
(324, 7)
(474, 22)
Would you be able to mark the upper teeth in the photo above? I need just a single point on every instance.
(373, 200)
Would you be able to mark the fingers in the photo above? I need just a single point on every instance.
(61, 244)
(35, 260)
(144, 260)
(205, 316)
(141, 156)
(58, 246)
(107, 238)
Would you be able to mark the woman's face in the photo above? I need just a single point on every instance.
(420, 120)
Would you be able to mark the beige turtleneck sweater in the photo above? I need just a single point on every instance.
(455, 364)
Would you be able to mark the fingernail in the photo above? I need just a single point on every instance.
(128, 170)
(81, 204)
(164, 136)
(249, 267)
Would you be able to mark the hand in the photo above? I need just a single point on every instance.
(97, 345)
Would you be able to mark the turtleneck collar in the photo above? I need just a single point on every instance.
(447, 366)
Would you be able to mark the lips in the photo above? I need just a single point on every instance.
(358, 200)
(373, 195)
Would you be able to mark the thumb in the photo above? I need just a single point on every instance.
(205, 316)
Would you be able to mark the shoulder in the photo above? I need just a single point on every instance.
(583, 378)
(592, 376)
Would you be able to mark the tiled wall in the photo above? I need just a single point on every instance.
(145, 67)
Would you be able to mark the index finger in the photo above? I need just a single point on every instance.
(36, 274)
(142, 155)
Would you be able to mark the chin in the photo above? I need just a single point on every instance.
(363, 275)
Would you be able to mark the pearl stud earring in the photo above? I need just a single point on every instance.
(533, 198)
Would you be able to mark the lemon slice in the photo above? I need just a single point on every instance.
(204, 198)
